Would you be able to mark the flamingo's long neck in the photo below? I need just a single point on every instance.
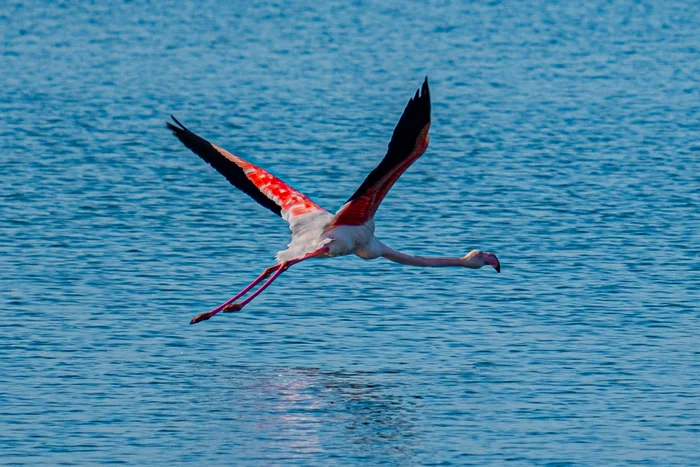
(411, 260)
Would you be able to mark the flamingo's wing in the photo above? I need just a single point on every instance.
(408, 143)
(257, 183)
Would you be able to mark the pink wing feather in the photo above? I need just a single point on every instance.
(408, 143)
(259, 184)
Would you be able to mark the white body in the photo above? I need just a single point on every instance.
(314, 231)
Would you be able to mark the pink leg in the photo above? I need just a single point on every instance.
(239, 306)
(283, 267)
(265, 274)
(229, 306)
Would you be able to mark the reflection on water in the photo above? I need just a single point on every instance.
(307, 411)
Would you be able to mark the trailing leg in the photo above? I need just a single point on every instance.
(265, 274)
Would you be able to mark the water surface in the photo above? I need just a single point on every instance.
(564, 139)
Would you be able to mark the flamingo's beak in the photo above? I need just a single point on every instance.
(492, 261)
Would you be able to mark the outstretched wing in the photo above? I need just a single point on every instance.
(257, 183)
(408, 143)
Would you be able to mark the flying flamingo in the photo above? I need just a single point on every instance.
(315, 231)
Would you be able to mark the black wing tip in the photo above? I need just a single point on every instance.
(420, 104)
(413, 121)
(212, 156)
(422, 99)
(175, 129)
(424, 90)
(178, 122)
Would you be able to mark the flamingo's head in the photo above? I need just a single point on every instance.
(476, 259)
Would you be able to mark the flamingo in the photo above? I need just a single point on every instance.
(316, 233)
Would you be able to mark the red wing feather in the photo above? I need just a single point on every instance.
(408, 143)
(259, 184)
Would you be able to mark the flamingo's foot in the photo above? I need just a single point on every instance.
(231, 307)
(201, 317)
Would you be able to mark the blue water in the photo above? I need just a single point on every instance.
(564, 139)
